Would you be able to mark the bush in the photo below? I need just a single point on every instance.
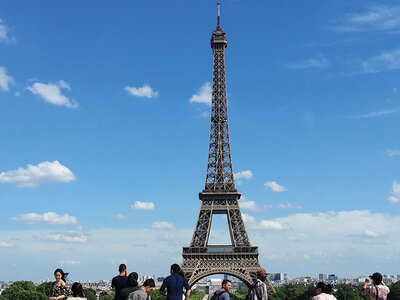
(23, 290)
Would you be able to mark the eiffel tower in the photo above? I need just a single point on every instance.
(220, 196)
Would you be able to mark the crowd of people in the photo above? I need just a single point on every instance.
(176, 287)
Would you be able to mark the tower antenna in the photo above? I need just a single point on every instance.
(219, 14)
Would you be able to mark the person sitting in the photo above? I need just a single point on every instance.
(377, 291)
(142, 292)
(132, 285)
(77, 292)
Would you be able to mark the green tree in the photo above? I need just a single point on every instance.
(45, 288)
(196, 295)
(155, 295)
(394, 291)
(90, 294)
(106, 297)
(347, 292)
(23, 290)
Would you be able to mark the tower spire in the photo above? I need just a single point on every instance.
(219, 15)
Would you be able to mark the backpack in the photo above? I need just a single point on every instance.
(252, 294)
(216, 295)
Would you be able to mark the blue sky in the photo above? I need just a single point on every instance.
(104, 127)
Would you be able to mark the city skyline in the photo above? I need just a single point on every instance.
(104, 127)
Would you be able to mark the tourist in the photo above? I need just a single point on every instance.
(131, 286)
(142, 292)
(174, 284)
(262, 285)
(323, 291)
(119, 281)
(223, 292)
(77, 292)
(59, 290)
(378, 290)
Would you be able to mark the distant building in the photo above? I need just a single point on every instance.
(278, 276)
(332, 277)
(323, 277)
(215, 284)
(160, 279)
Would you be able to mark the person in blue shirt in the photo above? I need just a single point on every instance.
(174, 284)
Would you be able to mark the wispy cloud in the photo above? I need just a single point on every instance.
(249, 205)
(385, 61)
(392, 153)
(32, 176)
(375, 18)
(374, 114)
(138, 205)
(70, 237)
(144, 91)
(50, 218)
(162, 225)
(4, 36)
(203, 95)
(274, 186)
(395, 197)
(319, 61)
(242, 175)
(5, 80)
(286, 205)
(69, 262)
(6, 244)
(253, 223)
(51, 92)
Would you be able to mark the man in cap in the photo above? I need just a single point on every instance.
(263, 286)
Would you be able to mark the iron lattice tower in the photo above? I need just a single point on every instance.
(220, 196)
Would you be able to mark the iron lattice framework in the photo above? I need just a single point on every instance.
(220, 196)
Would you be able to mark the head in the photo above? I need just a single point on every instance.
(148, 285)
(132, 279)
(60, 275)
(262, 274)
(77, 290)
(321, 287)
(226, 285)
(376, 278)
(122, 268)
(175, 268)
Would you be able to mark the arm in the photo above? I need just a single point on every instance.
(187, 288)
(364, 288)
(162, 288)
(187, 294)
(270, 288)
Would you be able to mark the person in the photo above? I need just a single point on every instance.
(262, 286)
(119, 281)
(378, 290)
(59, 289)
(323, 291)
(132, 285)
(77, 292)
(223, 292)
(174, 284)
(142, 292)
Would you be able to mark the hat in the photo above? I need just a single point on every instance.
(262, 271)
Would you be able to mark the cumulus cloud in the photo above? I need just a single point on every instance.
(395, 197)
(5, 80)
(32, 176)
(120, 217)
(4, 36)
(66, 238)
(144, 91)
(203, 95)
(392, 153)
(51, 92)
(249, 205)
(286, 205)
(162, 225)
(274, 186)
(138, 205)
(50, 218)
(375, 18)
(319, 61)
(243, 174)
(6, 244)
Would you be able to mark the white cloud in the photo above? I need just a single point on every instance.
(243, 174)
(370, 233)
(286, 205)
(392, 153)
(374, 114)
(4, 37)
(250, 205)
(395, 197)
(51, 93)
(162, 226)
(143, 205)
(50, 218)
(6, 244)
(319, 61)
(66, 238)
(385, 61)
(203, 95)
(32, 176)
(5, 80)
(269, 225)
(120, 217)
(69, 262)
(144, 91)
(376, 18)
(274, 186)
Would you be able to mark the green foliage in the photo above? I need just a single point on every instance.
(155, 295)
(2, 297)
(106, 297)
(394, 291)
(90, 294)
(23, 290)
(196, 295)
(347, 292)
(45, 288)
(237, 296)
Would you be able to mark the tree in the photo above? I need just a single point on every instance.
(394, 291)
(196, 295)
(106, 297)
(347, 292)
(45, 288)
(90, 294)
(23, 290)
(155, 295)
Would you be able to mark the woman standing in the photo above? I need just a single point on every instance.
(323, 291)
(378, 290)
(59, 289)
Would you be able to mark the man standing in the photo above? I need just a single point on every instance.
(142, 292)
(262, 286)
(223, 292)
(119, 282)
(174, 284)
